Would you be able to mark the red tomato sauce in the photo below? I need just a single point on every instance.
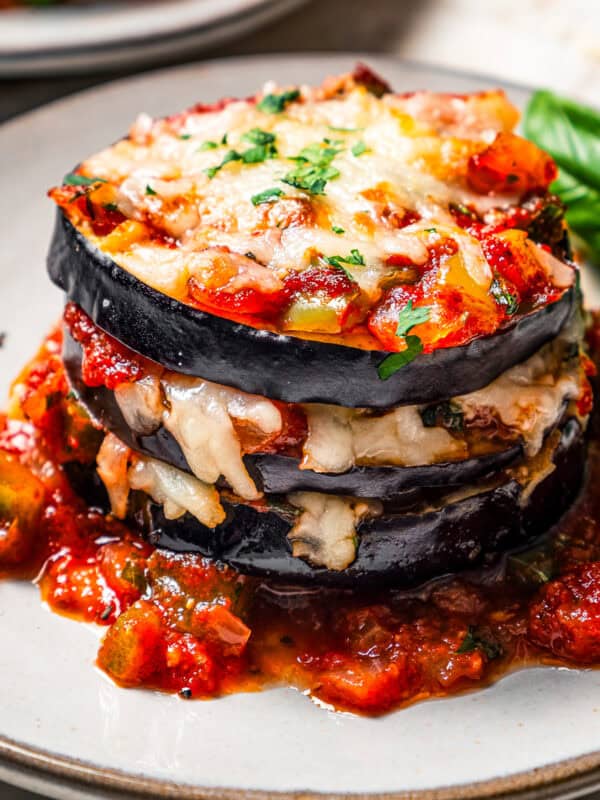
(180, 623)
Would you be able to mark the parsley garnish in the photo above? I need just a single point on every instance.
(314, 167)
(474, 641)
(268, 196)
(344, 130)
(263, 148)
(149, 189)
(74, 179)
(208, 145)
(337, 229)
(185, 136)
(503, 297)
(110, 206)
(407, 319)
(395, 361)
(356, 258)
(359, 148)
(224, 138)
(276, 103)
(258, 136)
(430, 230)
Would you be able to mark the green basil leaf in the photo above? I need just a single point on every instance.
(569, 132)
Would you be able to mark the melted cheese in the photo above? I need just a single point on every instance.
(325, 531)
(528, 398)
(121, 471)
(420, 163)
(176, 491)
(199, 416)
(339, 438)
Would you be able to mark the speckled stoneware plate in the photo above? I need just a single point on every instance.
(67, 731)
(87, 35)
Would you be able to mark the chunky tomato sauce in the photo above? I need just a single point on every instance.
(179, 623)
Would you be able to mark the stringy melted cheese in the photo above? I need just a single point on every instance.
(420, 163)
(529, 398)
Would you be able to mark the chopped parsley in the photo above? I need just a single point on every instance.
(268, 196)
(149, 189)
(430, 230)
(474, 641)
(355, 258)
(224, 138)
(74, 179)
(276, 103)
(447, 415)
(185, 136)
(263, 149)
(407, 319)
(208, 145)
(337, 229)
(503, 297)
(258, 136)
(344, 130)
(314, 167)
(359, 148)
(110, 206)
(395, 361)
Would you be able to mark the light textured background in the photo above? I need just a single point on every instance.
(537, 42)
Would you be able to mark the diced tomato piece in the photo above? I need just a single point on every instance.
(106, 362)
(383, 320)
(77, 587)
(134, 648)
(565, 618)
(367, 684)
(123, 564)
(190, 666)
(509, 254)
(289, 439)
(510, 164)
(331, 282)
(232, 282)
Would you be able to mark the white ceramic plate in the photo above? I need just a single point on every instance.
(113, 34)
(66, 729)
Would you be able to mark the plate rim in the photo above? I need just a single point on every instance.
(570, 778)
(33, 767)
(239, 10)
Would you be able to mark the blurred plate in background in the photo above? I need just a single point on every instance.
(87, 36)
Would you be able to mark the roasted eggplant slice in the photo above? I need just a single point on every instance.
(280, 474)
(282, 367)
(401, 549)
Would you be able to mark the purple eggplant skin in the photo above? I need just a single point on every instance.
(403, 550)
(282, 367)
(280, 474)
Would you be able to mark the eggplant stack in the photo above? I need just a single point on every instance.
(333, 335)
